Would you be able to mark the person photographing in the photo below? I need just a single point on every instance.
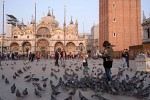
(107, 56)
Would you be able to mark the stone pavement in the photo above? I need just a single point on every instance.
(8, 68)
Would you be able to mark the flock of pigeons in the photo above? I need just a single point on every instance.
(73, 83)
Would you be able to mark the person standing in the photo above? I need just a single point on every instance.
(85, 66)
(30, 56)
(63, 57)
(127, 57)
(56, 57)
(38, 56)
(123, 59)
(107, 56)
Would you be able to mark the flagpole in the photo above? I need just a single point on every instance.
(2, 35)
(35, 29)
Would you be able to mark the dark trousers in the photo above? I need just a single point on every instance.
(108, 66)
(56, 62)
(107, 72)
(127, 63)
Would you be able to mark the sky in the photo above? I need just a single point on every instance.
(85, 11)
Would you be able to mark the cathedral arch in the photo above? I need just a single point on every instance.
(26, 47)
(14, 47)
(43, 47)
(58, 45)
(71, 48)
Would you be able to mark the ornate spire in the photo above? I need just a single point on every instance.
(53, 13)
(48, 14)
(22, 23)
(64, 17)
(144, 17)
(76, 22)
(32, 20)
(71, 22)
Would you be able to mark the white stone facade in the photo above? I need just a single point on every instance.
(47, 38)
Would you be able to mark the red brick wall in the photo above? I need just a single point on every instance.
(127, 26)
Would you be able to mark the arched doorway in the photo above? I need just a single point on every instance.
(42, 47)
(71, 48)
(59, 46)
(14, 47)
(26, 47)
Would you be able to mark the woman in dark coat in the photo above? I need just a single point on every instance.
(107, 56)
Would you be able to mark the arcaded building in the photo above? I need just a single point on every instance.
(146, 33)
(45, 37)
(120, 23)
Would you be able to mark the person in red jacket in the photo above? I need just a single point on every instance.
(38, 56)
(63, 57)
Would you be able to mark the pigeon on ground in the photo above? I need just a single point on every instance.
(73, 92)
(52, 97)
(13, 88)
(18, 94)
(37, 93)
(25, 92)
(6, 81)
(82, 97)
(3, 76)
(68, 98)
(44, 85)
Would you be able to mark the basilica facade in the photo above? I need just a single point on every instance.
(45, 37)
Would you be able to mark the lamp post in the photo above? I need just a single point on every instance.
(35, 28)
(2, 36)
(64, 25)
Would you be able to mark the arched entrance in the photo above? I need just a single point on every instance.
(14, 47)
(42, 47)
(71, 48)
(59, 46)
(26, 47)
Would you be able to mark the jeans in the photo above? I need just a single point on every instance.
(63, 60)
(123, 64)
(107, 72)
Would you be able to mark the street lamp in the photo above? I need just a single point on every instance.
(64, 25)
(2, 36)
(35, 29)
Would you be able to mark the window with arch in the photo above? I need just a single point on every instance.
(114, 19)
(148, 33)
(114, 34)
(113, 5)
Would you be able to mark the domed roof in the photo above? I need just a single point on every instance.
(71, 25)
(50, 19)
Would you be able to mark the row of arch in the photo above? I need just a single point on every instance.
(43, 46)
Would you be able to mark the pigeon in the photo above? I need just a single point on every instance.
(40, 88)
(82, 97)
(3, 76)
(14, 77)
(73, 92)
(25, 92)
(37, 93)
(27, 76)
(68, 98)
(13, 88)
(55, 92)
(18, 94)
(52, 97)
(44, 85)
(6, 81)
(24, 69)
(16, 74)
(44, 68)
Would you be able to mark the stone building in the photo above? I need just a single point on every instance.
(48, 37)
(146, 33)
(120, 23)
(95, 33)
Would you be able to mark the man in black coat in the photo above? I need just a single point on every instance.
(56, 58)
